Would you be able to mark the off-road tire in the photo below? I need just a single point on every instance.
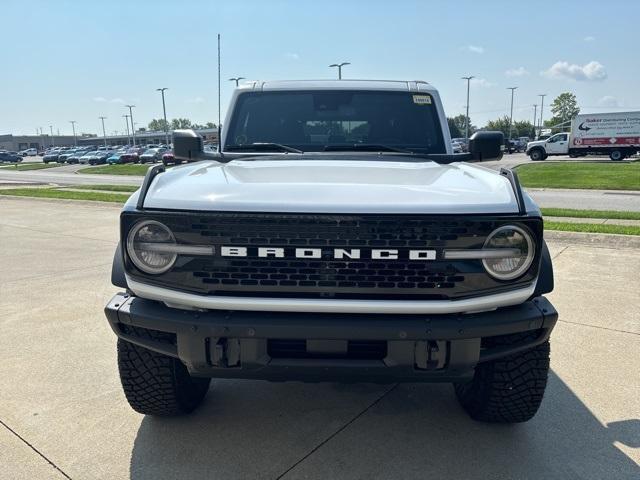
(510, 389)
(157, 384)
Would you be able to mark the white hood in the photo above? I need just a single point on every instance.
(332, 186)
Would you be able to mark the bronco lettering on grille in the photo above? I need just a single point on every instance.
(320, 253)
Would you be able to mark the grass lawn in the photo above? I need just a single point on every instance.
(106, 188)
(569, 212)
(21, 167)
(126, 169)
(65, 194)
(605, 176)
(592, 228)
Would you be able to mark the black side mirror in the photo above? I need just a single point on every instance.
(484, 146)
(187, 145)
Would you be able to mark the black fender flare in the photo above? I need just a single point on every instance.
(117, 269)
(545, 275)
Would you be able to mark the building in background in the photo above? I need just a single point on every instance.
(15, 143)
(210, 135)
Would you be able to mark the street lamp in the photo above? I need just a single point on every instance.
(133, 130)
(73, 125)
(339, 65)
(53, 142)
(164, 111)
(466, 129)
(126, 120)
(542, 95)
(104, 134)
(236, 79)
(535, 118)
(511, 115)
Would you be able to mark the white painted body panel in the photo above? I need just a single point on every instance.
(333, 186)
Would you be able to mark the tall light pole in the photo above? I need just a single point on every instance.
(339, 65)
(542, 95)
(126, 119)
(164, 111)
(53, 142)
(133, 129)
(535, 118)
(73, 125)
(466, 128)
(104, 134)
(236, 79)
(511, 115)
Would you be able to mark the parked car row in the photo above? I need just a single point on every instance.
(111, 155)
(10, 157)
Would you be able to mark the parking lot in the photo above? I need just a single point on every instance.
(64, 415)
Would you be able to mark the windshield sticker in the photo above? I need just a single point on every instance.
(422, 99)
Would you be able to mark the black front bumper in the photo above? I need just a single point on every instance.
(386, 348)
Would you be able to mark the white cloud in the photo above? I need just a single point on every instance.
(292, 56)
(592, 71)
(608, 101)
(116, 100)
(196, 100)
(517, 72)
(589, 39)
(482, 82)
(473, 49)
(99, 99)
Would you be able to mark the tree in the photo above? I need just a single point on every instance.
(457, 126)
(158, 125)
(211, 125)
(564, 108)
(500, 125)
(524, 128)
(177, 123)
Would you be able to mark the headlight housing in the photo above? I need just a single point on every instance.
(510, 266)
(151, 247)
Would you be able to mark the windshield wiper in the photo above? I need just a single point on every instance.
(364, 147)
(262, 147)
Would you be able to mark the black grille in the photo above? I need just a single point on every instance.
(326, 276)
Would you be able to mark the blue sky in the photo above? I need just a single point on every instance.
(77, 60)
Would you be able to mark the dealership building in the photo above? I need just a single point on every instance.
(210, 135)
(16, 143)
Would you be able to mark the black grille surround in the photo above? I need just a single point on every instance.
(362, 278)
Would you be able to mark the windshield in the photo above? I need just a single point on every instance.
(313, 121)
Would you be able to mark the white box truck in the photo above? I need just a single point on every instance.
(615, 134)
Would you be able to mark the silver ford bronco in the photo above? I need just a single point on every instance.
(336, 237)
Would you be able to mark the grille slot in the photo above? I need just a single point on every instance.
(356, 349)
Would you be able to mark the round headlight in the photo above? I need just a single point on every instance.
(149, 246)
(521, 247)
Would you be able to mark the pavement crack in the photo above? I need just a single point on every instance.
(598, 326)
(35, 450)
(560, 252)
(337, 432)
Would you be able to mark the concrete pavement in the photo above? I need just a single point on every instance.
(63, 412)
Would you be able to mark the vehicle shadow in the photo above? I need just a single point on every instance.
(250, 429)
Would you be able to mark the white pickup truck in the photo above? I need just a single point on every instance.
(614, 134)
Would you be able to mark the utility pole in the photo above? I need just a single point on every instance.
(133, 128)
(339, 65)
(236, 79)
(104, 134)
(541, 111)
(511, 115)
(164, 111)
(535, 118)
(53, 142)
(466, 128)
(126, 119)
(73, 125)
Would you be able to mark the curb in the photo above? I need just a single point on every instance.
(86, 203)
(604, 240)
